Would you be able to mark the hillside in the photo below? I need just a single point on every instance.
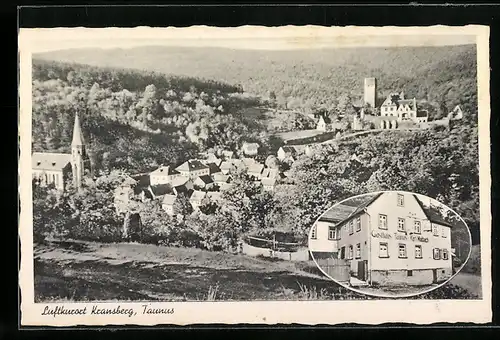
(444, 75)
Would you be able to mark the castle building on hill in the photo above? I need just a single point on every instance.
(371, 92)
(58, 168)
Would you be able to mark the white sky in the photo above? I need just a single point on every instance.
(245, 37)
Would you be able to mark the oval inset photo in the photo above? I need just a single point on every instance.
(390, 243)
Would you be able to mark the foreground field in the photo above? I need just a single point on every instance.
(82, 271)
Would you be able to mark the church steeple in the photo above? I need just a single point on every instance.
(77, 154)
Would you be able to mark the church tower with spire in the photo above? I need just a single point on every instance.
(77, 154)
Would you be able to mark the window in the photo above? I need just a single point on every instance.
(443, 232)
(313, 232)
(445, 254)
(435, 230)
(418, 251)
(402, 250)
(350, 253)
(435, 254)
(417, 226)
(401, 200)
(401, 224)
(358, 224)
(358, 250)
(351, 227)
(410, 272)
(332, 233)
(383, 250)
(382, 221)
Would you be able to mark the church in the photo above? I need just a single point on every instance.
(59, 168)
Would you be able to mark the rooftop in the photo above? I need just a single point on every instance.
(50, 161)
(164, 170)
(191, 165)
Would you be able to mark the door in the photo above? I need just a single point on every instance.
(362, 270)
(434, 276)
(342, 253)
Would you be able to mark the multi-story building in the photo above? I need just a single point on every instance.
(193, 168)
(389, 238)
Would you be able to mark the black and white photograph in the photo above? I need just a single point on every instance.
(394, 244)
(212, 165)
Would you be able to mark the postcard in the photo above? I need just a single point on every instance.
(254, 175)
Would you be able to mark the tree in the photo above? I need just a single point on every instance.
(182, 206)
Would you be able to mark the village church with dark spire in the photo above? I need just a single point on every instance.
(59, 169)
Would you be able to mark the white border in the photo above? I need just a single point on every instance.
(268, 312)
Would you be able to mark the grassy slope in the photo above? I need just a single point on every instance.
(84, 271)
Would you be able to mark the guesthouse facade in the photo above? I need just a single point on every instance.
(392, 238)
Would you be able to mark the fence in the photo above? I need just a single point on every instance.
(255, 246)
(337, 269)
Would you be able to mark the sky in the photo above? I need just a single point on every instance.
(245, 37)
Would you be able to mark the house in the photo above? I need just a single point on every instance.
(287, 153)
(214, 196)
(250, 149)
(163, 175)
(168, 204)
(255, 170)
(204, 182)
(323, 124)
(386, 238)
(48, 168)
(227, 154)
(422, 116)
(160, 190)
(227, 167)
(196, 198)
(268, 184)
(193, 168)
(211, 158)
(395, 105)
(456, 113)
(220, 178)
(270, 173)
(225, 186)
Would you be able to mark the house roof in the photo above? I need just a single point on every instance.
(270, 173)
(191, 165)
(161, 189)
(214, 167)
(220, 177)
(422, 113)
(214, 195)
(433, 214)
(325, 119)
(77, 132)
(197, 195)
(50, 161)
(268, 181)
(168, 199)
(179, 181)
(289, 149)
(248, 161)
(345, 210)
(225, 186)
(256, 168)
(165, 170)
(205, 179)
(226, 165)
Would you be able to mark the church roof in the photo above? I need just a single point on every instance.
(50, 161)
(77, 132)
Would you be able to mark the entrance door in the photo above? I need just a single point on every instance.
(342, 253)
(434, 276)
(362, 270)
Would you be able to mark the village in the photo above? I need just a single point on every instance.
(204, 179)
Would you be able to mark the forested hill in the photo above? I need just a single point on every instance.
(444, 75)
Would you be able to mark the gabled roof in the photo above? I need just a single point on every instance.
(50, 161)
(164, 171)
(256, 168)
(433, 214)
(226, 165)
(197, 195)
(268, 181)
(214, 168)
(191, 165)
(220, 177)
(289, 149)
(346, 210)
(205, 179)
(161, 189)
(168, 199)
(179, 181)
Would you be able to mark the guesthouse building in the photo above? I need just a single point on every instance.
(389, 238)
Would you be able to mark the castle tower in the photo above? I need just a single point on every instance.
(371, 92)
(77, 154)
